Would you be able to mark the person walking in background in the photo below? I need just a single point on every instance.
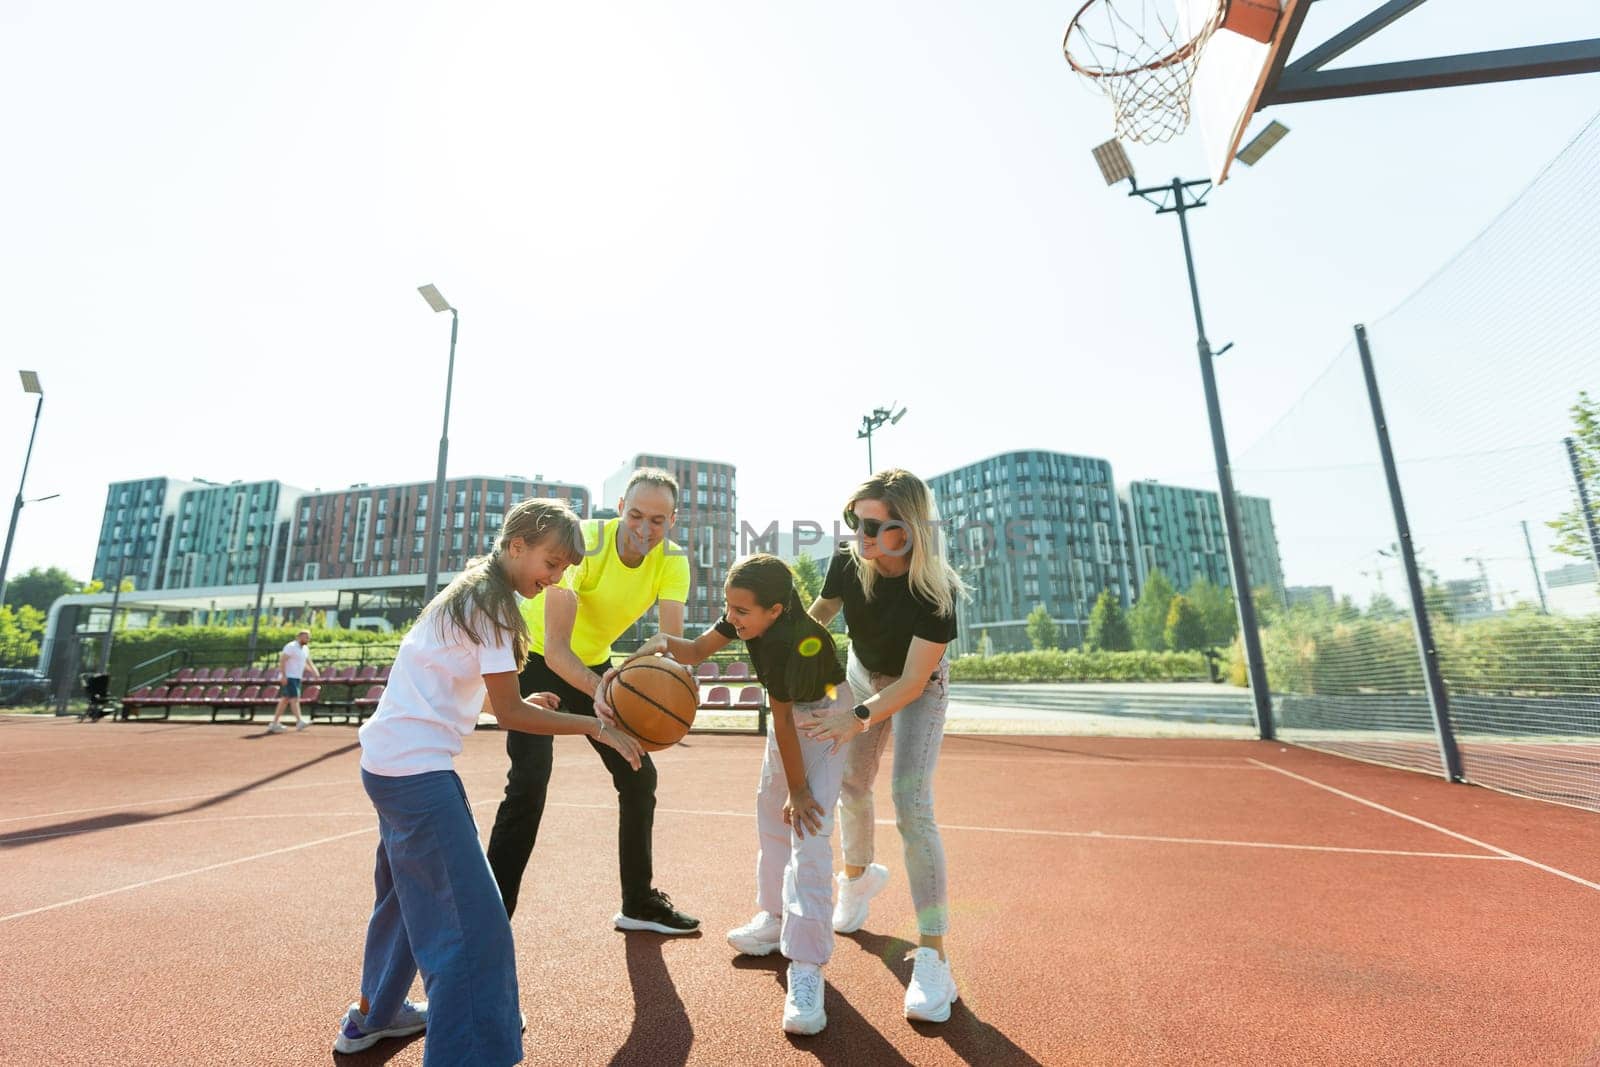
(293, 663)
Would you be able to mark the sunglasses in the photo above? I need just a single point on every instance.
(870, 527)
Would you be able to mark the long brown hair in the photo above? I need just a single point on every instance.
(811, 648)
(482, 593)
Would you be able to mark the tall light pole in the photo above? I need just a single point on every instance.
(871, 422)
(30, 384)
(116, 595)
(1181, 197)
(436, 519)
(264, 557)
(1538, 583)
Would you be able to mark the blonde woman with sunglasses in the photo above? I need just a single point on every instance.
(898, 595)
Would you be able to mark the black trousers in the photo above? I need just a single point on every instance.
(516, 823)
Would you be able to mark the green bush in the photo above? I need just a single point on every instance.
(1323, 652)
(1076, 666)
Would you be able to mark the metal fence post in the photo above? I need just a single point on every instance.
(1438, 701)
(1583, 501)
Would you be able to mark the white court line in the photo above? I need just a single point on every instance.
(1086, 834)
(157, 822)
(1434, 826)
(1110, 765)
(1099, 835)
(185, 874)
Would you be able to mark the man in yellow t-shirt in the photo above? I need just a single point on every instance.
(628, 566)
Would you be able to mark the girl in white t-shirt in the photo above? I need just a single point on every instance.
(437, 906)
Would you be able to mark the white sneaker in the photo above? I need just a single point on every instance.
(802, 1006)
(301, 725)
(855, 897)
(354, 1036)
(759, 936)
(275, 728)
(932, 989)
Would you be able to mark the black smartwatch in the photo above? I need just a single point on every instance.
(864, 715)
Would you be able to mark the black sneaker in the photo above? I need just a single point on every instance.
(655, 913)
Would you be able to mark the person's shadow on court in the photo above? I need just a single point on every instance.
(661, 1033)
(382, 1052)
(114, 820)
(968, 1036)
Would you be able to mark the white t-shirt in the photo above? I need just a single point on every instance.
(296, 654)
(432, 699)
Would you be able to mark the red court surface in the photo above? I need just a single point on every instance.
(196, 894)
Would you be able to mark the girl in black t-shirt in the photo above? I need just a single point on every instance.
(898, 594)
(795, 659)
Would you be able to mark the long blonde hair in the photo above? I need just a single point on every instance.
(483, 593)
(911, 505)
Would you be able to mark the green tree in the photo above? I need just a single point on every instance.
(20, 629)
(1042, 629)
(1148, 619)
(1572, 533)
(1382, 606)
(1108, 626)
(1217, 612)
(807, 579)
(40, 588)
(95, 585)
(1185, 630)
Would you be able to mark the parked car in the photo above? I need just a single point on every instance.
(18, 685)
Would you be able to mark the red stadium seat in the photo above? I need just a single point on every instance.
(751, 697)
(719, 697)
(736, 672)
(368, 704)
(707, 671)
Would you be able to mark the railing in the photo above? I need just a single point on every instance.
(172, 661)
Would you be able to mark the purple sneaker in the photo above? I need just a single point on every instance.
(355, 1037)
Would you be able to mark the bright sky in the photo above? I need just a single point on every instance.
(720, 228)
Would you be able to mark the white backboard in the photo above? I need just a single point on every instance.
(1229, 81)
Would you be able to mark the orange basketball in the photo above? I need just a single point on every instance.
(655, 699)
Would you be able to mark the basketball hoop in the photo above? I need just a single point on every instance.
(1142, 54)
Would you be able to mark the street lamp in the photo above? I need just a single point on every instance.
(436, 520)
(1179, 198)
(30, 384)
(871, 422)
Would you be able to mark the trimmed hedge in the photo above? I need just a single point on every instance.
(1054, 665)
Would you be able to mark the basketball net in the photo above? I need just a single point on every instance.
(1142, 56)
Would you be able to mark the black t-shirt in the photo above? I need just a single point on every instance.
(881, 629)
(771, 653)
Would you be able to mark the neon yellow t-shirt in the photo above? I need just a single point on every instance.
(611, 595)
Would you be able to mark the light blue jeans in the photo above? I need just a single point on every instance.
(437, 908)
(918, 730)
